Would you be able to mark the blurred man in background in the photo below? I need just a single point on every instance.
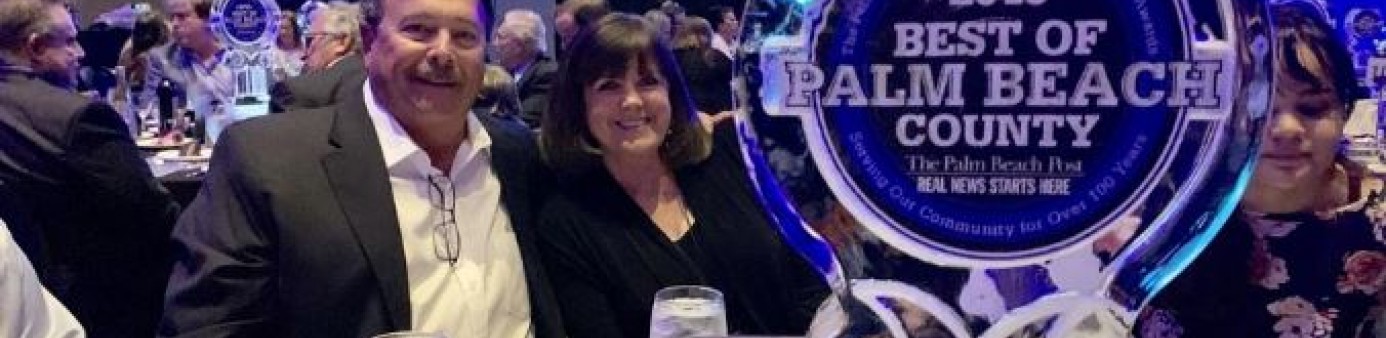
(195, 62)
(728, 26)
(520, 48)
(90, 215)
(332, 61)
(573, 15)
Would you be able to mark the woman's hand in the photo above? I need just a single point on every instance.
(711, 121)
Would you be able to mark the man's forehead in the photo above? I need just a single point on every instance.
(439, 18)
(317, 21)
(178, 5)
(433, 9)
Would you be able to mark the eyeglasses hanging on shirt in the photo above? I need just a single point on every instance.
(447, 240)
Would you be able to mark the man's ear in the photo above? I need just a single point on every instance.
(340, 45)
(33, 45)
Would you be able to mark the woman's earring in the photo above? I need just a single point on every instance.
(587, 147)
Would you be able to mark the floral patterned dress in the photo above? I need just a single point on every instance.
(1310, 274)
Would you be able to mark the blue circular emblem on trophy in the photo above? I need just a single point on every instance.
(248, 28)
(246, 24)
(999, 139)
(1005, 131)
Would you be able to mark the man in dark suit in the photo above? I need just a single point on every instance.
(396, 209)
(331, 60)
(520, 46)
(317, 89)
(87, 209)
(533, 85)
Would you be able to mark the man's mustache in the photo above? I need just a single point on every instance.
(439, 70)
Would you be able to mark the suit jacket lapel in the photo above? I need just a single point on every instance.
(508, 165)
(512, 165)
(516, 165)
(362, 187)
(528, 74)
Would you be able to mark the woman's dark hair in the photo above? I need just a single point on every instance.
(693, 33)
(148, 32)
(294, 31)
(1300, 27)
(606, 50)
(203, 8)
(587, 14)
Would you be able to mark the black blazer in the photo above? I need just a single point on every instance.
(84, 206)
(534, 87)
(295, 234)
(318, 89)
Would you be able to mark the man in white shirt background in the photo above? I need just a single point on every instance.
(29, 311)
(728, 26)
(195, 61)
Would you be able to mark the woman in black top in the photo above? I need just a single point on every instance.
(708, 71)
(1305, 255)
(649, 202)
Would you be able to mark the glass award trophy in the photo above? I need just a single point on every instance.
(249, 28)
(999, 168)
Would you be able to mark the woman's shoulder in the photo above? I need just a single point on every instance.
(1371, 206)
(565, 200)
(561, 207)
(576, 203)
(564, 222)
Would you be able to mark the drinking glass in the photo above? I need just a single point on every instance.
(688, 311)
(149, 117)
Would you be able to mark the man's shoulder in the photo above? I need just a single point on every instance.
(278, 133)
(40, 103)
(508, 134)
(351, 64)
(298, 84)
(314, 79)
(35, 92)
(545, 65)
(347, 66)
(341, 73)
(161, 57)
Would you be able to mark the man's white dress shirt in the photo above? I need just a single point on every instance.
(482, 294)
(26, 308)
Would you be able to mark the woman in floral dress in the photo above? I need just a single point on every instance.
(1305, 255)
